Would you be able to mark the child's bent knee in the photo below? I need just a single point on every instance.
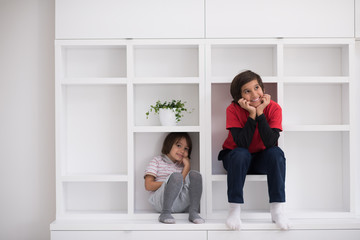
(195, 175)
(176, 176)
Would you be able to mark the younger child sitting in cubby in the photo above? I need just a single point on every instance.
(174, 187)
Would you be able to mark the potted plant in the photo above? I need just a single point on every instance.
(170, 113)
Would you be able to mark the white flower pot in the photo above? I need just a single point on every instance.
(167, 117)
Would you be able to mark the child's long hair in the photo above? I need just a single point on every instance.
(240, 80)
(172, 138)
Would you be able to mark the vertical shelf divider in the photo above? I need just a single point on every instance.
(208, 154)
(59, 66)
(280, 83)
(130, 69)
(202, 120)
(353, 167)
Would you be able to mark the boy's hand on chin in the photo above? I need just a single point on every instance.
(265, 100)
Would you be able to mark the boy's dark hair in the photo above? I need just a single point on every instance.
(240, 80)
(172, 138)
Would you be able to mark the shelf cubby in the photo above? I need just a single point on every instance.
(94, 130)
(227, 60)
(318, 177)
(221, 99)
(94, 62)
(95, 197)
(255, 196)
(166, 61)
(147, 94)
(142, 157)
(316, 104)
(311, 60)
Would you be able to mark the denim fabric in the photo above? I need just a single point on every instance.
(240, 162)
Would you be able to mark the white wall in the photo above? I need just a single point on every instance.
(27, 152)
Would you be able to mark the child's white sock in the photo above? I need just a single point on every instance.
(233, 221)
(278, 215)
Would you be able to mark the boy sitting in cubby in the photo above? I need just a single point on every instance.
(254, 123)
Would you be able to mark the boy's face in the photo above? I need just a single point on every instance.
(179, 150)
(252, 92)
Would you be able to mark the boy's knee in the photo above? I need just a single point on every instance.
(239, 156)
(240, 153)
(276, 154)
(275, 150)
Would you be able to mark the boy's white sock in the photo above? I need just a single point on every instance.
(234, 221)
(278, 215)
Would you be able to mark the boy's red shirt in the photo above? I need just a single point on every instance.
(236, 117)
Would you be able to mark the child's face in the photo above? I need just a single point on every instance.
(252, 92)
(179, 150)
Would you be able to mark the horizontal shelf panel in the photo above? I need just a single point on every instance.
(314, 128)
(316, 41)
(184, 224)
(194, 80)
(242, 41)
(293, 215)
(152, 214)
(251, 178)
(166, 80)
(95, 178)
(93, 81)
(306, 79)
(92, 42)
(93, 215)
(179, 42)
(228, 79)
(166, 129)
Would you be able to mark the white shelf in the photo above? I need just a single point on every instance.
(314, 80)
(95, 178)
(166, 80)
(316, 128)
(144, 129)
(228, 79)
(93, 81)
(153, 225)
(250, 178)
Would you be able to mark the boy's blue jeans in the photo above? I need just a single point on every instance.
(240, 162)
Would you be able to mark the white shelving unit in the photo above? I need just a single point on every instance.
(104, 141)
(311, 80)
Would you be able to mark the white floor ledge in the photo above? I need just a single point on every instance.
(209, 225)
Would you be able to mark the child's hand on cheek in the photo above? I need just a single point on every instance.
(265, 100)
(246, 105)
(185, 161)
